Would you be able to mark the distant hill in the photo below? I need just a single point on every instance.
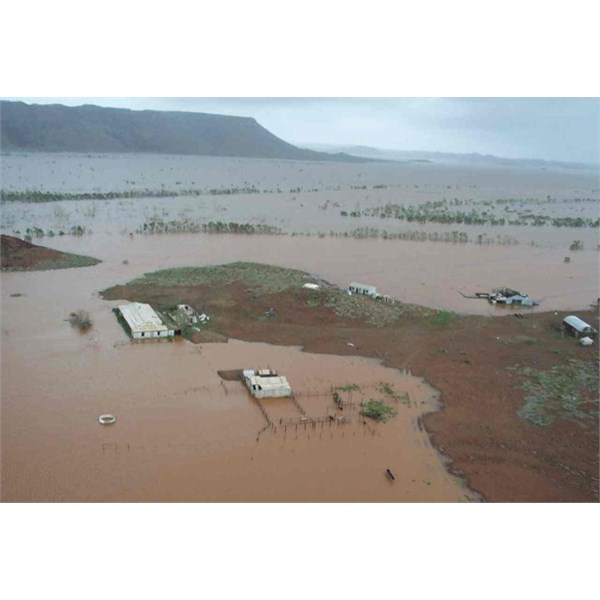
(422, 156)
(88, 128)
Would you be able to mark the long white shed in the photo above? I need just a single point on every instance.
(143, 322)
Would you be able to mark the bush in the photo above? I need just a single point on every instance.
(443, 318)
(576, 245)
(377, 410)
(80, 319)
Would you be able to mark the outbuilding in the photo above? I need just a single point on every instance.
(143, 322)
(266, 383)
(577, 327)
(363, 288)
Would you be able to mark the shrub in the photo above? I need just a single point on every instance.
(576, 245)
(377, 410)
(80, 319)
(443, 318)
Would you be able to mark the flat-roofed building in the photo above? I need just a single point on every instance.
(265, 383)
(143, 322)
(363, 288)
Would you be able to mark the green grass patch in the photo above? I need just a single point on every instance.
(261, 279)
(357, 306)
(350, 387)
(377, 410)
(568, 392)
(443, 318)
(66, 261)
(389, 390)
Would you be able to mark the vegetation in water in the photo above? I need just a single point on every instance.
(157, 225)
(377, 410)
(479, 213)
(389, 390)
(81, 319)
(576, 245)
(350, 387)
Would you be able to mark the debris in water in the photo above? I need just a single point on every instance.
(503, 296)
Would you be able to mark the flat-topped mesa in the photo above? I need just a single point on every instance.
(89, 128)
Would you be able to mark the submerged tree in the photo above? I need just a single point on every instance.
(80, 319)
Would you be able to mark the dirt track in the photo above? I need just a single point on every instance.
(502, 456)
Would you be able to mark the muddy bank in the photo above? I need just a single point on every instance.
(475, 362)
(502, 456)
(18, 255)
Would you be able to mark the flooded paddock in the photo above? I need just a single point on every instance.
(301, 197)
(184, 434)
(425, 273)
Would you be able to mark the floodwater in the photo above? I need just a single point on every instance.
(297, 197)
(426, 273)
(308, 198)
(183, 434)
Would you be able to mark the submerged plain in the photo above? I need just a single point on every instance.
(182, 433)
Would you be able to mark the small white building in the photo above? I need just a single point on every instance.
(265, 383)
(363, 288)
(143, 322)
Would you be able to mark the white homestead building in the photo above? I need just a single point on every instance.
(143, 322)
(265, 383)
(363, 288)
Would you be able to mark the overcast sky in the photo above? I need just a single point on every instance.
(565, 129)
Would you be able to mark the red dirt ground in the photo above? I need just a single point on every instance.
(500, 455)
(18, 255)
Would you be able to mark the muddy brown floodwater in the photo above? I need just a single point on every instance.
(182, 433)
(426, 273)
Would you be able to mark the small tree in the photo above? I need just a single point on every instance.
(576, 245)
(377, 410)
(80, 319)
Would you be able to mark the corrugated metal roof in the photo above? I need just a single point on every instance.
(141, 317)
(577, 323)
